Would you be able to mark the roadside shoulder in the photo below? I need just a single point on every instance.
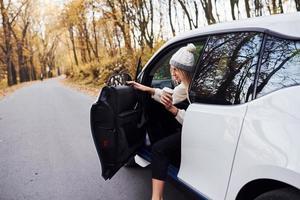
(89, 90)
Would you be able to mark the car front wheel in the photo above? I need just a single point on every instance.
(280, 194)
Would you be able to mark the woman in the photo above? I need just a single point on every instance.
(181, 67)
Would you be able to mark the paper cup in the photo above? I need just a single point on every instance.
(168, 90)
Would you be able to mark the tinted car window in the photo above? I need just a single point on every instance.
(280, 65)
(226, 73)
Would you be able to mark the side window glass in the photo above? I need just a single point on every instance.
(280, 65)
(227, 71)
(162, 76)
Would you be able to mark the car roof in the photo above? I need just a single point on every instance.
(284, 24)
(287, 25)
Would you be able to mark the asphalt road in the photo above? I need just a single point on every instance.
(47, 152)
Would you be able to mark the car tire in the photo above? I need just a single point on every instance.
(280, 194)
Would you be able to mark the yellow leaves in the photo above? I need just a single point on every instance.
(73, 11)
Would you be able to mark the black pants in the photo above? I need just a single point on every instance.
(165, 151)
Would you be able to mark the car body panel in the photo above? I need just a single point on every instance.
(269, 143)
(209, 137)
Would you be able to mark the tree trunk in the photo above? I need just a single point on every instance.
(207, 7)
(146, 19)
(23, 68)
(186, 12)
(32, 67)
(118, 42)
(122, 22)
(23, 72)
(151, 35)
(160, 35)
(258, 7)
(232, 4)
(297, 2)
(170, 18)
(11, 72)
(247, 6)
(217, 14)
(73, 43)
(127, 38)
(14, 73)
(82, 47)
(87, 40)
(274, 7)
(280, 6)
(95, 36)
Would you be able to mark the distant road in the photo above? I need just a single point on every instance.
(47, 152)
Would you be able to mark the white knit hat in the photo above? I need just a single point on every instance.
(184, 58)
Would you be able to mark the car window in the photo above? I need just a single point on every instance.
(162, 76)
(161, 72)
(227, 70)
(280, 65)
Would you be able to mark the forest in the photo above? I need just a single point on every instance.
(89, 40)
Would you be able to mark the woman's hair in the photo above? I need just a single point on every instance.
(183, 60)
(187, 76)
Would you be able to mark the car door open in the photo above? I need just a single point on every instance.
(116, 127)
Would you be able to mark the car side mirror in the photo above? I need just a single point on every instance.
(118, 79)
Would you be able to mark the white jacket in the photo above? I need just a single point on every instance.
(179, 95)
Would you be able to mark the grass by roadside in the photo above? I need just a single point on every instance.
(82, 87)
(5, 90)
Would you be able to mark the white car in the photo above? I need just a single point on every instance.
(241, 133)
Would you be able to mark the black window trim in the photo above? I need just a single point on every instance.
(257, 70)
(197, 67)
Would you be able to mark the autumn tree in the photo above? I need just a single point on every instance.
(117, 11)
(141, 16)
(93, 7)
(19, 48)
(193, 23)
(19, 33)
(207, 7)
(7, 23)
(258, 7)
(106, 33)
(274, 6)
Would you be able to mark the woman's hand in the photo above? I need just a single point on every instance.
(141, 87)
(167, 100)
